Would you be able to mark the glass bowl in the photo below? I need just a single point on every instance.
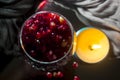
(46, 39)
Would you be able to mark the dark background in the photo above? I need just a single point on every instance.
(12, 66)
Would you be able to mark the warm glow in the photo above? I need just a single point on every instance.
(92, 45)
(95, 46)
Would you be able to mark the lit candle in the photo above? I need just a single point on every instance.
(92, 45)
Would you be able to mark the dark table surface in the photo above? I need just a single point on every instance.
(108, 69)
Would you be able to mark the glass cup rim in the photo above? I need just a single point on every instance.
(45, 62)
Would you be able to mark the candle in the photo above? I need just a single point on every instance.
(92, 45)
(74, 43)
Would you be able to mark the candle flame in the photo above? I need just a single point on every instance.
(95, 46)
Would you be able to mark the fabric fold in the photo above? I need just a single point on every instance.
(102, 14)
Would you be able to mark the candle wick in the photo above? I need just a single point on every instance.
(94, 47)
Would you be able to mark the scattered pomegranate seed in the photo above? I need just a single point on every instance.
(49, 75)
(42, 4)
(59, 74)
(76, 78)
(75, 65)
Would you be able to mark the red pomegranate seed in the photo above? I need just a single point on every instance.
(38, 35)
(62, 28)
(48, 31)
(49, 75)
(52, 25)
(51, 56)
(59, 74)
(29, 23)
(33, 28)
(32, 52)
(76, 78)
(36, 21)
(58, 38)
(42, 4)
(75, 65)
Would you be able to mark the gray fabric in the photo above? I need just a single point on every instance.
(103, 14)
(12, 15)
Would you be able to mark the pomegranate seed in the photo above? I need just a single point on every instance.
(42, 4)
(41, 29)
(54, 57)
(43, 33)
(50, 15)
(29, 23)
(51, 56)
(61, 20)
(62, 28)
(33, 28)
(26, 40)
(59, 74)
(64, 43)
(75, 65)
(49, 75)
(32, 52)
(52, 25)
(38, 35)
(53, 34)
(48, 31)
(38, 41)
(58, 38)
(36, 21)
(76, 78)
(50, 52)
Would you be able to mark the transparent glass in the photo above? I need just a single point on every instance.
(46, 39)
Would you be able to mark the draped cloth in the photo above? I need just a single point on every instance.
(102, 14)
(12, 16)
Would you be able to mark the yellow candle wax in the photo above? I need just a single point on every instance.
(74, 43)
(92, 45)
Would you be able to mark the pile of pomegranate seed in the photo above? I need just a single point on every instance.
(46, 36)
